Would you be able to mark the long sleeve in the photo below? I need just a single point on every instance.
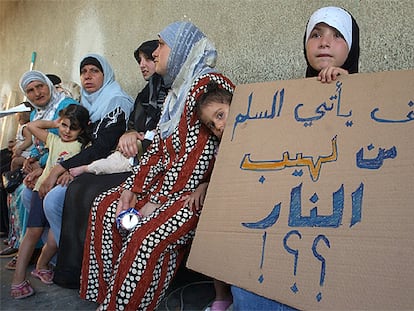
(179, 163)
(105, 138)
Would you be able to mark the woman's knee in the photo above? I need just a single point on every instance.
(54, 200)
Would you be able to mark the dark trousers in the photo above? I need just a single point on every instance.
(78, 202)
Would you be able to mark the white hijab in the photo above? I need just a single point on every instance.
(47, 112)
(335, 17)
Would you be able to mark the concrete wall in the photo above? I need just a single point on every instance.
(257, 40)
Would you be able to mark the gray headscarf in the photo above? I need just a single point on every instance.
(191, 56)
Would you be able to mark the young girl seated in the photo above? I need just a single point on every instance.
(72, 126)
(213, 109)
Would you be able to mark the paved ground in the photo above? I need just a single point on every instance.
(189, 291)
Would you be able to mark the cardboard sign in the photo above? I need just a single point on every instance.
(311, 201)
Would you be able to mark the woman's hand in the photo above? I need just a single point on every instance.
(126, 200)
(64, 179)
(31, 178)
(46, 185)
(329, 74)
(127, 144)
(149, 208)
(30, 164)
(196, 199)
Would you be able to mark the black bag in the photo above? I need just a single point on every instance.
(12, 179)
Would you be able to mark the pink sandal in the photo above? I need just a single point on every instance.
(46, 276)
(22, 290)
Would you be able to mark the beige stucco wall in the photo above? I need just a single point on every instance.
(257, 40)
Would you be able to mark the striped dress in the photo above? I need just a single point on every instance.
(132, 270)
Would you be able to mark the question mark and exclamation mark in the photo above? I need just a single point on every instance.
(318, 256)
(321, 259)
(271, 220)
(295, 253)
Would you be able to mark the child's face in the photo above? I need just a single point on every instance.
(66, 133)
(146, 65)
(326, 47)
(214, 116)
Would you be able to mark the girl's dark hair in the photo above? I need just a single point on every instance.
(351, 62)
(148, 47)
(213, 92)
(79, 119)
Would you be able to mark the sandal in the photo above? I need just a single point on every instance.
(220, 305)
(11, 265)
(46, 276)
(8, 252)
(22, 290)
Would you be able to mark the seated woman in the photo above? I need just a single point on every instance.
(47, 103)
(87, 186)
(109, 108)
(125, 270)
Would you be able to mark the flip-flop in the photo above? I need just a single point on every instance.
(8, 252)
(46, 276)
(22, 290)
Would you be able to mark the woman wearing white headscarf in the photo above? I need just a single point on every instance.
(109, 108)
(132, 269)
(47, 102)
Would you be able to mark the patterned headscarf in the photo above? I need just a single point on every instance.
(342, 21)
(191, 56)
(47, 112)
(109, 97)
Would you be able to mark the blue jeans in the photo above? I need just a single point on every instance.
(26, 197)
(244, 300)
(53, 207)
